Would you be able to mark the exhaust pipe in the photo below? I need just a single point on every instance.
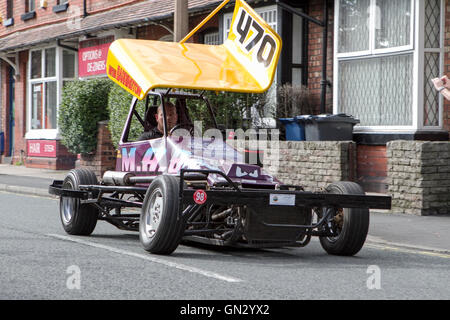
(117, 178)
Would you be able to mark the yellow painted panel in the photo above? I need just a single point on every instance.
(246, 62)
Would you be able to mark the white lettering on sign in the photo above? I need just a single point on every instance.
(49, 148)
(96, 66)
(35, 147)
(92, 55)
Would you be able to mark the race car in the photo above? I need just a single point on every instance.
(180, 185)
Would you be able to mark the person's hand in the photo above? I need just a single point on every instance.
(446, 82)
(439, 82)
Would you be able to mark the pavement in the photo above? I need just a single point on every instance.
(387, 229)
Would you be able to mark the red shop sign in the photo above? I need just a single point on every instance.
(41, 148)
(92, 56)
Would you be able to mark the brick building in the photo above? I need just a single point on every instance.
(380, 57)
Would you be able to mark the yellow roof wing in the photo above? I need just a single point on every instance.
(246, 62)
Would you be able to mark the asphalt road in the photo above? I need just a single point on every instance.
(25, 181)
(38, 260)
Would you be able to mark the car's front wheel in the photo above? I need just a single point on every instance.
(160, 227)
(349, 226)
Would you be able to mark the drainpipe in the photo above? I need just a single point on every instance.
(324, 81)
(85, 13)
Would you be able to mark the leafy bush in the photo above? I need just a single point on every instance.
(83, 105)
(294, 100)
(118, 107)
(231, 109)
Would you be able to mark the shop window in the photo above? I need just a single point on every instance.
(68, 64)
(379, 64)
(47, 75)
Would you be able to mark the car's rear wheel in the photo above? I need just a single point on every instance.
(77, 218)
(160, 227)
(349, 226)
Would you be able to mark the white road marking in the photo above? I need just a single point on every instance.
(150, 258)
(405, 250)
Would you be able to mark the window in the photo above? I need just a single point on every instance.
(9, 9)
(211, 38)
(269, 14)
(43, 89)
(433, 53)
(61, 6)
(297, 51)
(46, 76)
(376, 64)
(29, 5)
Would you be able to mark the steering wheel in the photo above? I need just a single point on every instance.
(183, 125)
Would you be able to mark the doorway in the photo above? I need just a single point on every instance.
(11, 115)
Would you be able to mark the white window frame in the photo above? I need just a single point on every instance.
(46, 133)
(421, 62)
(416, 48)
(31, 5)
(211, 38)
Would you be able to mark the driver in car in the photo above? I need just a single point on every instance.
(158, 131)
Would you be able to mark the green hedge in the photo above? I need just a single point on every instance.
(118, 107)
(83, 105)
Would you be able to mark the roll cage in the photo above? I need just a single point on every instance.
(162, 98)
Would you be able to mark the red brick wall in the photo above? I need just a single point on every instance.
(104, 157)
(372, 168)
(155, 32)
(316, 10)
(46, 15)
(20, 109)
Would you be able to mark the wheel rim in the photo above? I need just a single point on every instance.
(68, 206)
(153, 214)
(335, 223)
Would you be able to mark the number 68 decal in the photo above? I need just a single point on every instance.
(262, 42)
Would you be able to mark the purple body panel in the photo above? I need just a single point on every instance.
(170, 155)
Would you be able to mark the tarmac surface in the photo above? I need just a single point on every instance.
(427, 233)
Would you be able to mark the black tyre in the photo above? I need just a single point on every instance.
(350, 225)
(77, 218)
(160, 230)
